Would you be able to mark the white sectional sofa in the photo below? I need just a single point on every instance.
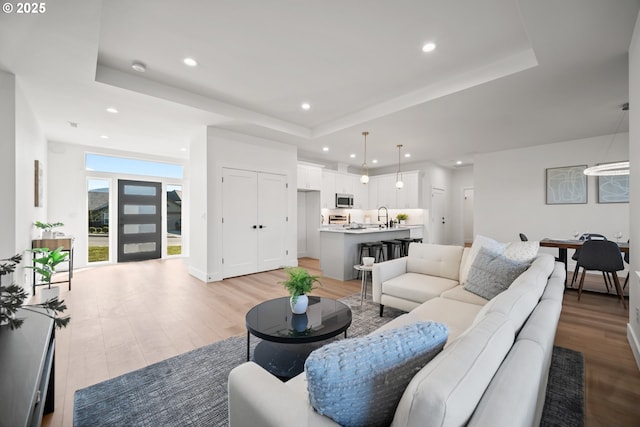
(492, 372)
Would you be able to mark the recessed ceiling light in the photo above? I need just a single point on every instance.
(353, 156)
(374, 161)
(459, 162)
(139, 66)
(429, 47)
(305, 106)
(325, 148)
(407, 155)
(183, 149)
(190, 62)
(104, 136)
(112, 110)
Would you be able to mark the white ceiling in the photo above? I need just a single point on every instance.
(505, 74)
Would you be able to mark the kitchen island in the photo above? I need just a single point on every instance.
(339, 246)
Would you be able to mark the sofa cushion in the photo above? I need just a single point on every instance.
(459, 293)
(417, 287)
(522, 251)
(492, 273)
(435, 260)
(447, 390)
(478, 242)
(359, 381)
(457, 315)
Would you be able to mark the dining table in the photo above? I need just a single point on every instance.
(563, 245)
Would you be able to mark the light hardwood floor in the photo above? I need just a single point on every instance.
(127, 316)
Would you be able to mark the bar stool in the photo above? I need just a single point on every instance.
(394, 248)
(404, 250)
(372, 249)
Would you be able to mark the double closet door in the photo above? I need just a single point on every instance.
(254, 221)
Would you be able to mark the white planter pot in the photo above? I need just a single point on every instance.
(47, 234)
(300, 306)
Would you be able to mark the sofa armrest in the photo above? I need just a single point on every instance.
(257, 398)
(384, 271)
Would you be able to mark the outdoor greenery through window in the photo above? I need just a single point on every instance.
(98, 202)
(174, 219)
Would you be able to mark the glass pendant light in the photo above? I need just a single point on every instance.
(399, 183)
(364, 178)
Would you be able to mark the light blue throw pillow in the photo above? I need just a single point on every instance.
(492, 273)
(359, 381)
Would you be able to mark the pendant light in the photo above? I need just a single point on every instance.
(364, 178)
(399, 183)
(611, 169)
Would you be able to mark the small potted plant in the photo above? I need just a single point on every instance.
(402, 217)
(299, 283)
(12, 298)
(47, 228)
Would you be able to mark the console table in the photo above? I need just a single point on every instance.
(27, 370)
(66, 243)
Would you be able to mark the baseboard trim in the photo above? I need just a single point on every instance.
(634, 343)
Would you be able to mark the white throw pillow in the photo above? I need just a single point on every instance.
(479, 242)
(522, 251)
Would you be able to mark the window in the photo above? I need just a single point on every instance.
(100, 163)
(98, 214)
(174, 219)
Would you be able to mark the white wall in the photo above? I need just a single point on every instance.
(199, 244)
(31, 145)
(633, 329)
(226, 149)
(510, 195)
(67, 191)
(7, 165)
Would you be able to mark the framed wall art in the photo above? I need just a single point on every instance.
(566, 185)
(613, 189)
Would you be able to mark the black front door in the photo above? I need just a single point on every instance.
(139, 220)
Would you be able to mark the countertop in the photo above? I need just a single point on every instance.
(370, 229)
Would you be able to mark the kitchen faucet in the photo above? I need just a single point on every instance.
(386, 215)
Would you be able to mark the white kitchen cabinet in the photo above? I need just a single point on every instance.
(387, 191)
(408, 196)
(360, 193)
(254, 225)
(309, 177)
(328, 190)
(372, 190)
(344, 183)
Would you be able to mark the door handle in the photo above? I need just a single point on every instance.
(254, 227)
(262, 226)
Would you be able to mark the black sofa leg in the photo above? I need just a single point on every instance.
(381, 308)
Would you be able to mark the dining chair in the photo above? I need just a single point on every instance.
(626, 279)
(604, 256)
(576, 254)
(523, 238)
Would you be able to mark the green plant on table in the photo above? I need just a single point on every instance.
(402, 217)
(300, 282)
(47, 226)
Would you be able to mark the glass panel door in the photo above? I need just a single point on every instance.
(139, 220)
(98, 214)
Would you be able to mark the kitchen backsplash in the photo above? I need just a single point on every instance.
(415, 216)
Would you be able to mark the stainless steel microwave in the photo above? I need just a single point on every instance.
(344, 200)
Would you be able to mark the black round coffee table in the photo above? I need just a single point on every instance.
(289, 338)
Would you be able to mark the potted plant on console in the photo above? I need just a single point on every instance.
(45, 262)
(402, 218)
(299, 283)
(47, 228)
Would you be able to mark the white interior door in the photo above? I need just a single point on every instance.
(467, 215)
(437, 218)
(272, 220)
(240, 226)
(302, 224)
